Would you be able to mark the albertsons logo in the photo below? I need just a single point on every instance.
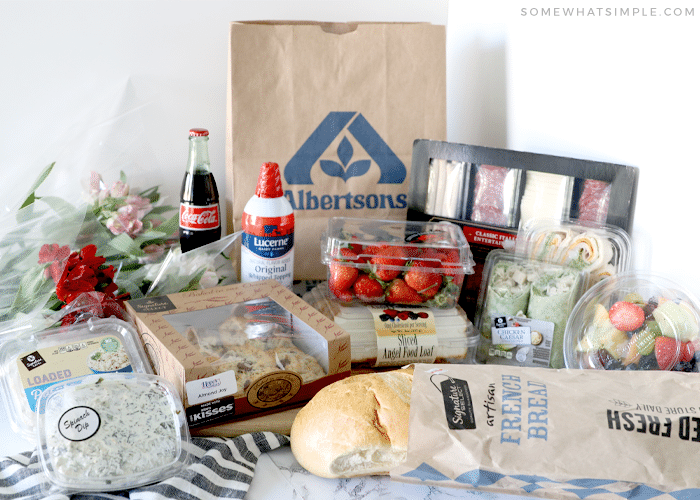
(329, 149)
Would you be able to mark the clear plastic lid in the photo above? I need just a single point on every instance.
(33, 362)
(634, 321)
(111, 432)
(396, 262)
(523, 308)
(599, 250)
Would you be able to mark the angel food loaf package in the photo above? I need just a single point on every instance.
(240, 350)
(523, 309)
(554, 433)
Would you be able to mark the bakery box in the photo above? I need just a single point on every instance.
(239, 351)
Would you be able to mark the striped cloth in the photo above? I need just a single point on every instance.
(220, 468)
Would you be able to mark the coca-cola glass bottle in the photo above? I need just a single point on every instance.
(199, 199)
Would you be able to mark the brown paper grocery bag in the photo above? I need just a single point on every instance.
(338, 107)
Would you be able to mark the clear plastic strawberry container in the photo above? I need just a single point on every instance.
(391, 262)
(109, 432)
(634, 321)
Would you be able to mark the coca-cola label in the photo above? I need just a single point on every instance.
(199, 218)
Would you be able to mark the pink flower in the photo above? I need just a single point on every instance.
(98, 190)
(142, 205)
(124, 222)
(119, 189)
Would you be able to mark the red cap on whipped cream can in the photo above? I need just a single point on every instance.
(267, 241)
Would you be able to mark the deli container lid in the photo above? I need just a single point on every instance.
(111, 432)
(634, 321)
(31, 363)
(600, 250)
(447, 244)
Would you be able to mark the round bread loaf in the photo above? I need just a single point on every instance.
(355, 427)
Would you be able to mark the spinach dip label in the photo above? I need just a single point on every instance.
(79, 423)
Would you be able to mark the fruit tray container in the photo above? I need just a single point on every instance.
(391, 262)
(634, 322)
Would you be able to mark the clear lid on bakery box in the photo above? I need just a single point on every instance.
(253, 338)
(108, 432)
(31, 363)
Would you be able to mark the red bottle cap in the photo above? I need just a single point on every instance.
(199, 132)
(269, 181)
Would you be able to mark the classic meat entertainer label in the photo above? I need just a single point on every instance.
(404, 336)
(199, 218)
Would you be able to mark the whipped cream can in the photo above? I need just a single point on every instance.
(267, 242)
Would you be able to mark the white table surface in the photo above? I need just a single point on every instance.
(279, 475)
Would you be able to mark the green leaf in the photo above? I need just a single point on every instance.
(158, 210)
(31, 198)
(33, 289)
(124, 244)
(170, 226)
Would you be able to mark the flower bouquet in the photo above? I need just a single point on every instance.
(65, 263)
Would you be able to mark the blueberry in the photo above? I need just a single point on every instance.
(648, 362)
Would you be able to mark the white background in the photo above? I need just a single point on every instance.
(614, 88)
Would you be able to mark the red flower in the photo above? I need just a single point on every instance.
(84, 272)
(57, 256)
(93, 305)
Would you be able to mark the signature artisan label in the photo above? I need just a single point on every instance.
(457, 399)
(404, 336)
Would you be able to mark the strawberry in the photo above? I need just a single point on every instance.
(626, 316)
(667, 352)
(366, 253)
(342, 276)
(451, 265)
(400, 293)
(368, 289)
(387, 261)
(422, 277)
(687, 352)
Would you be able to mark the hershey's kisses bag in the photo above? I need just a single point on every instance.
(554, 433)
(338, 107)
